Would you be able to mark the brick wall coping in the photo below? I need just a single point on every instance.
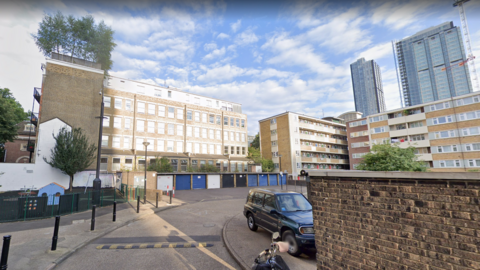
(214, 173)
(398, 175)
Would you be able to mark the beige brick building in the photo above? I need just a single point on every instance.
(303, 142)
(445, 133)
(189, 129)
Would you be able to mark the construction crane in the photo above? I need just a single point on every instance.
(466, 34)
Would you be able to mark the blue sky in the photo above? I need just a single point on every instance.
(271, 56)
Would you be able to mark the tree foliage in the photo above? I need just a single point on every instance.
(256, 142)
(72, 152)
(80, 38)
(161, 165)
(11, 113)
(255, 155)
(388, 157)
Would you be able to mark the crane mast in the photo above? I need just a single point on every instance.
(466, 34)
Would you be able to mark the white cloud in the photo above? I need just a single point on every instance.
(209, 46)
(235, 26)
(223, 36)
(215, 54)
(373, 53)
(246, 37)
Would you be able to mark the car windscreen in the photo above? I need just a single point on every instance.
(293, 202)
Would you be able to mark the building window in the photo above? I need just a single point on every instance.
(274, 143)
(219, 149)
(126, 143)
(118, 103)
(273, 121)
(204, 133)
(179, 130)
(161, 145)
(470, 131)
(211, 149)
(180, 114)
(117, 122)
(158, 93)
(225, 135)
(474, 163)
(106, 121)
(226, 150)
(197, 132)
(218, 134)
(128, 123)
(183, 163)
(449, 163)
(141, 107)
(232, 121)
(197, 101)
(103, 163)
(444, 134)
(468, 100)
(189, 131)
(116, 142)
(169, 94)
(379, 129)
(151, 109)
(151, 145)
(179, 147)
(106, 102)
(169, 146)
(469, 115)
(415, 124)
(204, 117)
(219, 120)
(225, 121)
(238, 122)
(189, 147)
(171, 129)
(140, 89)
(442, 120)
(128, 105)
(139, 144)
(189, 115)
(243, 150)
(232, 136)
(420, 137)
(204, 148)
(209, 103)
(211, 118)
(232, 167)
(140, 125)
(225, 166)
(376, 119)
(440, 106)
(151, 127)
(211, 134)
(104, 140)
(128, 163)
(197, 148)
(161, 128)
(161, 111)
(232, 150)
(171, 112)
(243, 123)
(197, 116)
(472, 147)
(238, 150)
(115, 164)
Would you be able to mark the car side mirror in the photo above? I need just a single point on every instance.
(274, 211)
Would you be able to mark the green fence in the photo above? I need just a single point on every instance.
(130, 192)
(29, 208)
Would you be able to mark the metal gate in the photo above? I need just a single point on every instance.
(273, 180)
(241, 180)
(199, 181)
(227, 180)
(182, 182)
(252, 180)
(263, 180)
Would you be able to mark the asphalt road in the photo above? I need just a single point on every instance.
(200, 220)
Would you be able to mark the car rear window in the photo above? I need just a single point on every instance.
(269, 202)
(250, 197)
(258, 198)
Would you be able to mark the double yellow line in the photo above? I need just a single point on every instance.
(157, 245)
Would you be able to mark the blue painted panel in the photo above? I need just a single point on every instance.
(199, 181)
(252, 180)
(182, 182)
(51, 190)
(273, 180)
(263, 180)
(284, 179)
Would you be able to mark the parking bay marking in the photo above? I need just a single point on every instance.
(158, 245)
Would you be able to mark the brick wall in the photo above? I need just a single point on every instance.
(396, 220)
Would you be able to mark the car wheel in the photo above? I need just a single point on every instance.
(251, 223)
(293, 248)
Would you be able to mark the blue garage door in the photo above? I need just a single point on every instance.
(273, 180)
(199, 181)
(252, 180)
(263, 180)
(284, 179)
(182, 182)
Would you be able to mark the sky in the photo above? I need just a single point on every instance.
(270, 56)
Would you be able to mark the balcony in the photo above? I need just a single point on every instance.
(325, 160)
(425, 157)
(424, 143)
(322, 128)
(417, 130)
(36, 94)
(323, 149)
(321, 139)
(406, 119)
(274, 137)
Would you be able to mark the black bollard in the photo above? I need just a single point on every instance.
(138, 204)
(156, 204)
(5, 249)
(92, 227)
(55, 233)
(171, 194)
(114, 211)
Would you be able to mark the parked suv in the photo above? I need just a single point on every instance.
(288, 213)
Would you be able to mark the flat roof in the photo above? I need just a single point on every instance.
(303, 115)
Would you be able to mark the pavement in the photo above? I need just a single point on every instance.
(31, 240)
(209, 217)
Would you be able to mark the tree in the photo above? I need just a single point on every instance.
(11, 113)
(161, 165)
(256, 157)
(256, 142)
(80, 38)
(388, 157)
(72, 152)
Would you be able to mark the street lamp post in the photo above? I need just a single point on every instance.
(145, 182)
(97, 182)
(280, 170)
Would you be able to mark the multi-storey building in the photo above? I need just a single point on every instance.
(16, 151)
(367, 87)
(350, 116)
(445, 133)
(296, 141)
(189, 129)
(432, 65)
